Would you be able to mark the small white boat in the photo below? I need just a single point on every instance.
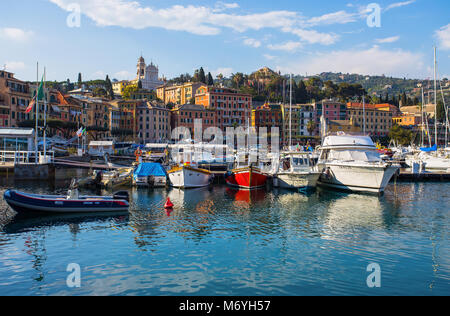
(296, 171)
(189, 176)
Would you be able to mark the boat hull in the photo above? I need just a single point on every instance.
(357, 178)
(31, 203)
(187, 177)
(153, 182)
(247, 178)
(306, 180)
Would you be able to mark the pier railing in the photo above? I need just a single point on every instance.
(25, 157)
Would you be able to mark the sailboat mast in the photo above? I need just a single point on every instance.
(435, 101)
(364, 115)
(37, 115)
(423, 123)
(45, 118)
(290, 113)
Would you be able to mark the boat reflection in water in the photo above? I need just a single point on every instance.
(246, 198)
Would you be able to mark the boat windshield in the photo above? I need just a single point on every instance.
(355, 155)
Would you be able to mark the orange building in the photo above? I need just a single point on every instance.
(375, 119)
(408, 120)
(15, 96)
(233, 108)
(185, 116)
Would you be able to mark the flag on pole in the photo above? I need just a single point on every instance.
(40, 96)
(31, 106)
(80, 132)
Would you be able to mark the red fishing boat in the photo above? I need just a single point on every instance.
(247, 178)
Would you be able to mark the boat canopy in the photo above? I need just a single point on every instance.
(429, 149)
(348, 140)
(150, 169)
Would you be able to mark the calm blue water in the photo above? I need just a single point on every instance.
(228, 242)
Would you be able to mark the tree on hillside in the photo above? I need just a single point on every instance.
(128, 91)
(80, 81)
(109, 87)
(440, 111)
(210, 80)
(401, 135)
(237, 80)
(201, 75)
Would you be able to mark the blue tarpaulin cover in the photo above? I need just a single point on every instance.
(150, 169)
(429, 149)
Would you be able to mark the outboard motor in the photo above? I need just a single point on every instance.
(121, 195)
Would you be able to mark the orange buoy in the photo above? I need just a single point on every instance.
(169, 204)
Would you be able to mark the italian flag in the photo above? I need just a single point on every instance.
(39, 95)
(81, 131)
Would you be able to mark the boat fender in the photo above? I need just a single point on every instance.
(169, 205)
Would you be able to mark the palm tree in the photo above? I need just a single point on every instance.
(311, 127)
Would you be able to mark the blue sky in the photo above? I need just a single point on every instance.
(302, 37)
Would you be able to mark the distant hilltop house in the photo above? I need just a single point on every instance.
(262, 76)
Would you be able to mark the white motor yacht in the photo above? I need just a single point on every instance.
(352, 163)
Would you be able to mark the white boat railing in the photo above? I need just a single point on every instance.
(26, 157)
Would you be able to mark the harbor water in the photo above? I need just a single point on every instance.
(221, 241)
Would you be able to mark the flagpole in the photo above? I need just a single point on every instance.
(37, 116)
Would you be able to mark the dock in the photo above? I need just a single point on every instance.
(439, 176)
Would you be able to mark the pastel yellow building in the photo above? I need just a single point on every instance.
(177, 94)
(119, 86)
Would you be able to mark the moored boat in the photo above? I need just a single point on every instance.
(72, 203)
(296, 171)
(189, 176)
(247, 178)
(352, 163)
(150, 175)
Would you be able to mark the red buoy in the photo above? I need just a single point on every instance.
(169, 204)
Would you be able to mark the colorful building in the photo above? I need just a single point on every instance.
(268, 116)
(296, 125)
(233, 108)
(185, 116)
(15, 96)
(373, 119)
(408, 120)
(154, 123)
(178, 94)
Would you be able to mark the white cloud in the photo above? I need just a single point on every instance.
(252, 42)
(226, 72)
(269, 57)
(287, 47)
(15, 65)
(372, 61)
(99, 74)
(312, 36)
(221, 6)
(203, 20)
(340, 17)
(387, 40)
(399, 4)
(443, 35)
(15, 34)
(124, 75)
(198, 20)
